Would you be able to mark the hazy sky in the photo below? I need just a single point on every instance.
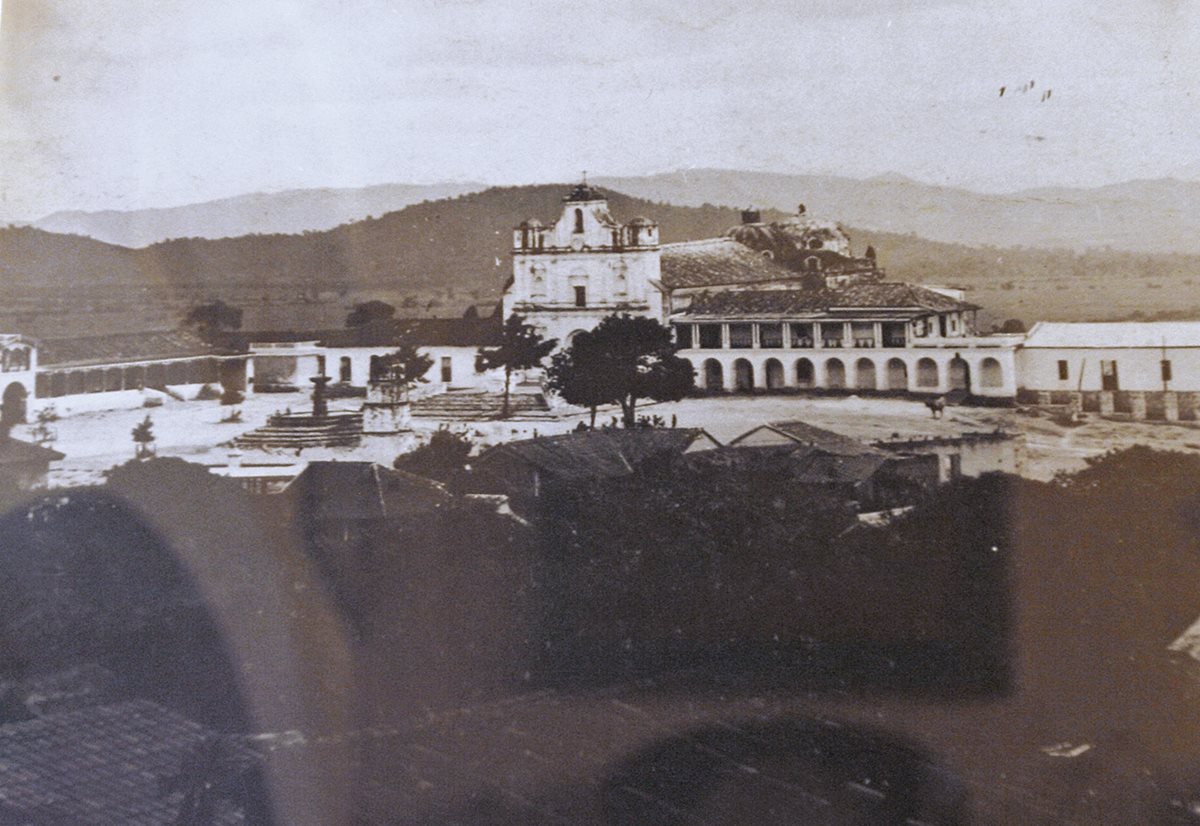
(132, 103)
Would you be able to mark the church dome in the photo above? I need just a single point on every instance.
(583, 192)
(794, 238)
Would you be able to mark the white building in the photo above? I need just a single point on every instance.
(350, 356)
(583, 267)
(1148, 369)
(1144, 356)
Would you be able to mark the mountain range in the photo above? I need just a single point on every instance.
(438, 257)
(1144, 216)
(289, 211)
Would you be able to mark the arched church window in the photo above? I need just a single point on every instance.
(579, 220)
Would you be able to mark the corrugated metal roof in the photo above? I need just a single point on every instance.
(1148, 334)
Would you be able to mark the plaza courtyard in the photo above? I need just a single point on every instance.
(193, 430)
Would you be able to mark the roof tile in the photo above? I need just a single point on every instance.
(782, 302)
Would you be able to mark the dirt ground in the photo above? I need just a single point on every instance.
(96, 441)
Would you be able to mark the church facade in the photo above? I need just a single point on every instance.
(569, 275)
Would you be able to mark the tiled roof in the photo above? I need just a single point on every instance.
(718, 261)
(804, 433)
(801, 463)
(16, 452)
(424, 332)
(121, 348)
(822, 468)
(596, 454)
(1141, 334)
(344, 491)
(882, 295)
(101, 765)
(81, 686)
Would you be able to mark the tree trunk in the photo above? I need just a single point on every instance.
(507, 379)
(592, 423)
(629, 407)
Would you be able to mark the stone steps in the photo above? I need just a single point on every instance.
(301, 430)
(478, 406)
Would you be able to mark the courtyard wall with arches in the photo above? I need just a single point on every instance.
(982, 369)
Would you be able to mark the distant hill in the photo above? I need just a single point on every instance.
(290, 211)
(1146, 216)
(440, 256)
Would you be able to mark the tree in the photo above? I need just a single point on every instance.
(367, 311)
(143, 438)
(213, 317)
(581, 377)
(521, 348)
(1012, 325)
(624, 359)
(443, 458)
(406, 365)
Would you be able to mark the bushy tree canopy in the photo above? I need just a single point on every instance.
(626, 358)
(367, 311)
(213, 317)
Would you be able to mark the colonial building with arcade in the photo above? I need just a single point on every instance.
(770, 306)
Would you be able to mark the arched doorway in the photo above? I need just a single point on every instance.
(864, 374)
(960, 374)
(12, 408)
(775, 379)
(743, 376)
(991, 374)
(805, 375)
(835, 374)
(927, 373)
(344, 370)
(714, 375)
(897, 374)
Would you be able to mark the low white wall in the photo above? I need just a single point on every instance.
(1138, 369)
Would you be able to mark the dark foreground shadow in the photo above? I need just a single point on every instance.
(786, 771)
